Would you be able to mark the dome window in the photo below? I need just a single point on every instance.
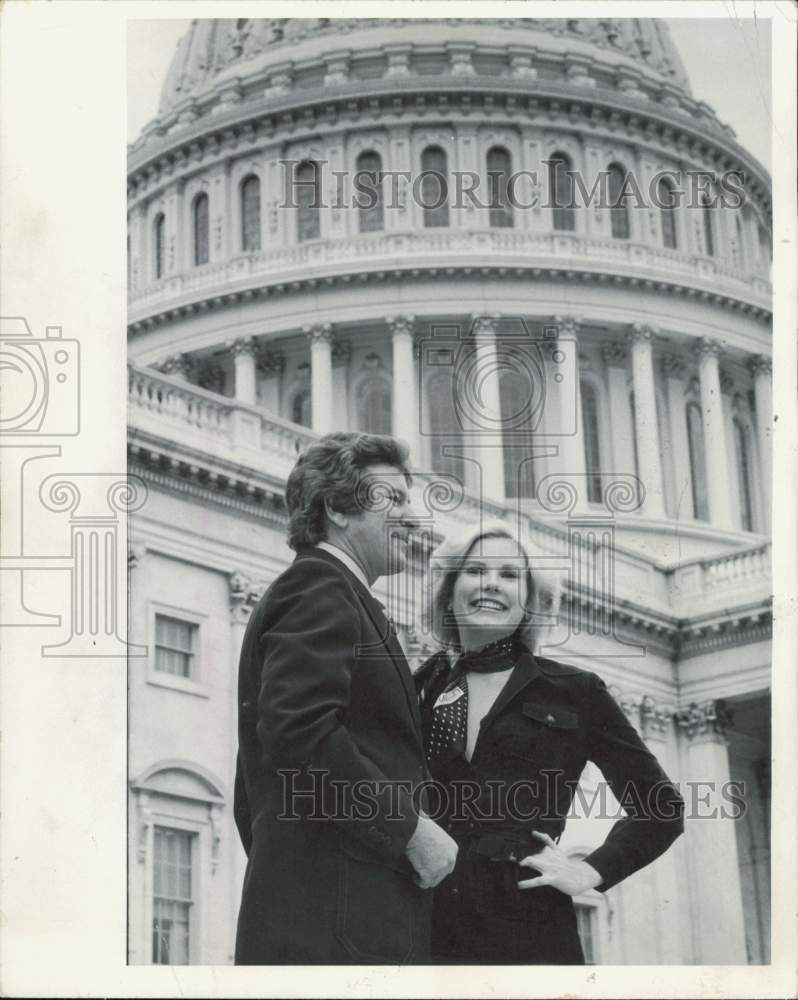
(250, 214)
(434, 187)
(201, 230)
(159, 242)
(561, 192)
(742, 452)
(619, 212)
(667, 214)
(499, 166)
(708, 232)
(307, 188)
(590, 433)
(368, 196)
(695, 445)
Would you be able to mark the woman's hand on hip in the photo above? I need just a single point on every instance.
(558, 870)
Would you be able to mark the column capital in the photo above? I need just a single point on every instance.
(656, 717)
(320, 333)
(707, 347)
(707, 719)
(642, 333)
(567, 326)
(614, 353)
(401, 324)
(242, 345)
(341, 351)
(271, 361)
(672, 366)
(760, 365)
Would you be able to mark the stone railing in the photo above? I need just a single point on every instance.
(167, 406)
(441, 248)
(709, 581)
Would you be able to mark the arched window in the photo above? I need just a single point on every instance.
(301, 411)
(444, 426)
(308, 187)
(590, 432)
(667, 213)
(250, 214)
(561, 191)
(368, 196)
(519, 470)
(743, 462)
(709, 238)
(695, 445)
(201, 233)
(499, 166)
(619, 212)
(764, 247)
(434, 187)
(374, 405)
(159, 239)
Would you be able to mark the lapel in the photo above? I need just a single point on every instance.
(375, 612)
(526, 670)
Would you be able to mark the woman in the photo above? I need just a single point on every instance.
(507, 735)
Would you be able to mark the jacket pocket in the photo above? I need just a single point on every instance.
(553, 718)
(376, 912)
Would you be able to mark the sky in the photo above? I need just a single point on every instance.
(727, 61)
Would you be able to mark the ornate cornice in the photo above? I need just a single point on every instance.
(220, 299)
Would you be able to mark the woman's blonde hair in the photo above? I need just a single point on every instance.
(446, 562)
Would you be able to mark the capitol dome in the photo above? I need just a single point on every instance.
(523, 246)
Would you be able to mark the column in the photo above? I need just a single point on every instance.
(486, 448)
(762, 371)
(321, 381)
(615, 358)
(568, 404)
(405, 416)
(717, 465)
(674, 371)
(245, 390)
(645, 410)
(710, 839)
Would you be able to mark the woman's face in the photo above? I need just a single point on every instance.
(490, 592)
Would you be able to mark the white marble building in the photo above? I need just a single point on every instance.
(265, 306)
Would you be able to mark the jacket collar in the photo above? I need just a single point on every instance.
(525, 671)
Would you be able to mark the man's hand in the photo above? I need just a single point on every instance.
(558, 870)
(432, 852)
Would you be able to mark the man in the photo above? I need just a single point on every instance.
(341, 860)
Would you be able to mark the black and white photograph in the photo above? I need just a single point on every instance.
(428, 559)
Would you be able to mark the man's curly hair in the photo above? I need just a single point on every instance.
(331, 470)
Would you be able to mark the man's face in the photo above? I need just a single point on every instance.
(379, 534)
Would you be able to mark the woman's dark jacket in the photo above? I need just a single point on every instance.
(545, 725)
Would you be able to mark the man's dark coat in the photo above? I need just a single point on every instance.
(329, 752)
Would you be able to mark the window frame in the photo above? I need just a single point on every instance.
(442, 210)
(376, 184)
(668, 212)
(560, 212)
(193, 838)
(314, 206)
(196, 684)
(502, 209)
(619, 213)
(242, 211)
(201, 197)
(159, 246)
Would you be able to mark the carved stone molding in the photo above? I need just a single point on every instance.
(707, 347)
(656, 718)
(760, 365)
(244, 595)
(243, 345)
(642, 332)
(706, 719)
(568, 326)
